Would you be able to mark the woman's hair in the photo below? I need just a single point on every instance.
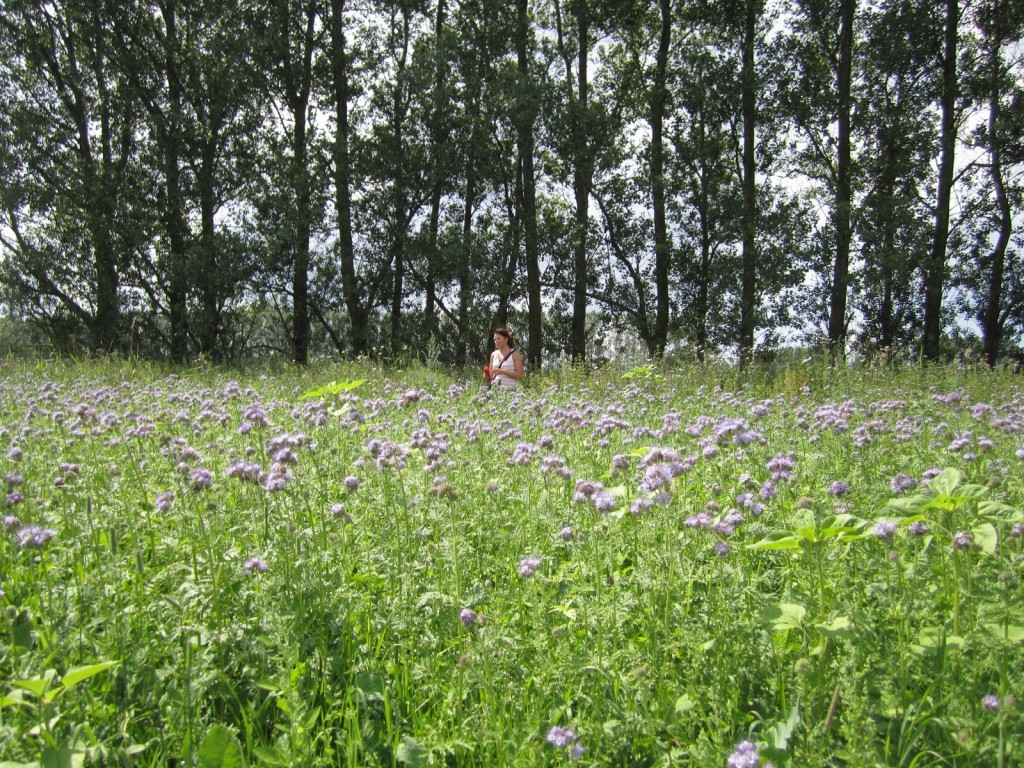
(508, 335)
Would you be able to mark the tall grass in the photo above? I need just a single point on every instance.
(646, 567)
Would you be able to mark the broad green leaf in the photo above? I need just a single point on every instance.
(684, 704)
(986, 538)
(411, 752)
(777, 540)
(75, 675)
(906, 505)
(971, 491)
(1013, 632)
(221, 749)
(35, 685)
(271, 756)
(839, 628)
(945, 483)
(784, 616)
(779, 734)
(993, 508)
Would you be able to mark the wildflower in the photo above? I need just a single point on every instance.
(10, 521)
(163, 501)
(963, 539)
(990, 702)
(1017, 531)
(722, 548)
(470, 618)
(663, 498)
(528, 566)
(255, 565)
(838, 488)
(603, 501)
(918, 528)
(201, 478)
(15, 454)
(641, 505)
(902, 483)
(576, 751)
(566, 534)
(885, 530)
(561, 737)
(34, 536)
(768, 490)
(338, 511)
(744, 756)
(352, 483)
(13, 498)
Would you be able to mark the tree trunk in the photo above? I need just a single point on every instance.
(438, 168)
(526, 111)
(748, 290)
(841, 213)
(662, 247)
(174, 219)
(209, 293)
(343, 180)
(400, 202)
(298, 97)
(992, 322)
(583, 176)
(936, 266)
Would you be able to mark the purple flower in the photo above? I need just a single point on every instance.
(338, 511)
(352, 483)
(1017, 531)
(838, 488)
(13, 498)
(744, 756)
(768, 490)
(163, 501)
(560, 737)
(963, 539)
(990, 702)
(902, 483)
(34, 536)
(918, 528)
(566, 534)
(15, 454)
(885, 530)
(10, 521)
(576, 751)
(528, 566)
(201, 478)
(470, 618)
(641, 505)
(603, 501)
(722, 548)
(255, 565)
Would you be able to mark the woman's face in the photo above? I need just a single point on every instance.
(500, 341)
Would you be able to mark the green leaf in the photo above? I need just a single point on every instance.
(684, 704)
(35, 685)
(945, 483)
(75, 675)
(784, 616)
(839, 628)
(271, 756)
(779, 734)
(906, 505)
(23, 632)
(993, 508)
(412, 753)
(777, 540)
(221, 749)
(986, 538)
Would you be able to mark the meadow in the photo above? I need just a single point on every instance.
(349, 565)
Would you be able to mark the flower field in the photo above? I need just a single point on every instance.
(355, 566)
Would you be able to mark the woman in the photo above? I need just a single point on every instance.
(506, 362)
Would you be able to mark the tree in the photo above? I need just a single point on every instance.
(68, 182)
(935, 268)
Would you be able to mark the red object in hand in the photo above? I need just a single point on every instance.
(487, 374)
